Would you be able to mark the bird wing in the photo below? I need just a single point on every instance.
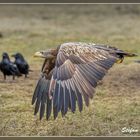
(78, 68)
(40, 96)
(13, 68)
(26, 65)
(22, 63)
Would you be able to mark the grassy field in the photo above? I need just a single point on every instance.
(30, 28)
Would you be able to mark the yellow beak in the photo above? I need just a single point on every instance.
(38, 54)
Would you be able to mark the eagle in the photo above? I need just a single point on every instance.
(70, 74)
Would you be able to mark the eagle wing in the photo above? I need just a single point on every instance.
(72, 80)
(78, 68)
(41, 96)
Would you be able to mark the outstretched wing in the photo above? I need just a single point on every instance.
(78, 68)
(41, 96)
(73, 78)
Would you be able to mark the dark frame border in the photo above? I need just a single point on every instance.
(69, 138)
(69, 2)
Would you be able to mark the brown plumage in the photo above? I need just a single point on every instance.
(70, 74)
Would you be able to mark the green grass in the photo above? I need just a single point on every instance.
(30, 28)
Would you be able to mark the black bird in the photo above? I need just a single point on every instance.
(21, 64)
(70, 74)
(8, 68)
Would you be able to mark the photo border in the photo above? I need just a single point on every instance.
(69, 2)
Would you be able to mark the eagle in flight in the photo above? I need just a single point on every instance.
(70, 74)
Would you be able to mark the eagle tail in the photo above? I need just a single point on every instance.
(128, 54)
(123, 54)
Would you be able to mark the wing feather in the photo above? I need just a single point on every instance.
(41, 95)
(78, 69)
(78, 95)
(66, 99)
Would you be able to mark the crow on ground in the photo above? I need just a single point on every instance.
(7, 67)
(21, 63)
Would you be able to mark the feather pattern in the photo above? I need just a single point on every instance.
(76, 72)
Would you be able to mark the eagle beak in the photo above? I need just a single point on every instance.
(39, 54)
(46, 55)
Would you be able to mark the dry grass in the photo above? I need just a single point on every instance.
(35, 27)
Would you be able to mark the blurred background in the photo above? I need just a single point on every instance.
(31, 28)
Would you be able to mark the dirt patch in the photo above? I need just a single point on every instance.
(122, 79)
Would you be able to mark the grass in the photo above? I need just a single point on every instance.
(29, 28)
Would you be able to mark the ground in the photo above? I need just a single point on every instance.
(30, 28)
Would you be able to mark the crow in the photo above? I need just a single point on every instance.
(21, 63)
(8, 68)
